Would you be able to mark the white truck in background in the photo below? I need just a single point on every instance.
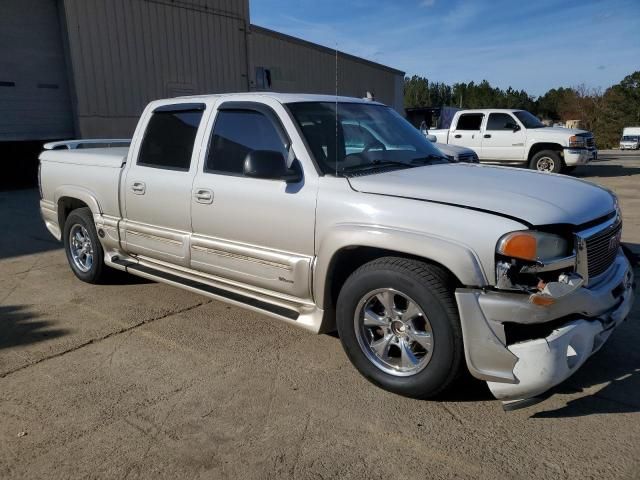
(630, 138)
(508, 136)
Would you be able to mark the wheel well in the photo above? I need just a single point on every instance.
(65, 206)
(348, 259)
(538, 147)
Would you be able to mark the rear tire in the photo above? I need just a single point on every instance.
(548, 161)
(82, 246)
(399, 326)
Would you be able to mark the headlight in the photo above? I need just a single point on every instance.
(533, 246)
(577, 142)
(616, 205)
(528, 259)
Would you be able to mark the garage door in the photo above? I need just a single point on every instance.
(34, 93)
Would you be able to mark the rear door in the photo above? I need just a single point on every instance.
(503, 138)
(255, 231)
(157, 190)
(467, 132)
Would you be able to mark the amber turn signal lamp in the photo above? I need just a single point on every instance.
(519, 245)
(541, 300)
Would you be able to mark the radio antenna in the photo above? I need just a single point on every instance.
(336, 108)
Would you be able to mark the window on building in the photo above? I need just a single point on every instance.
(470, 121)
(168, 140)
(235, 134)
(263, 78)
(500, 121)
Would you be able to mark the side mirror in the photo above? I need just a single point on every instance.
(432, 138)
(514, 126)
(270, 165)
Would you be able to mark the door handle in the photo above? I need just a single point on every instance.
(138, 188)
(457, 136)
(487, 135)
(203, 195)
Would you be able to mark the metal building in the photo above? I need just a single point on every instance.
(288, 64)
(87, 68)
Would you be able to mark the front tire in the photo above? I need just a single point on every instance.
(399, 326)
(548, 161)
(84, 251)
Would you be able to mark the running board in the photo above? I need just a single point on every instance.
(206, 289)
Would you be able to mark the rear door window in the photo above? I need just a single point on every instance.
(169, 138)
(470, 121)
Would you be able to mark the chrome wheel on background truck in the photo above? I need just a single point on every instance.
(548, 161)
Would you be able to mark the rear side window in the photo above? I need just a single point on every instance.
(168, 140)
(235, 134)
(470, 121)
(500, 121)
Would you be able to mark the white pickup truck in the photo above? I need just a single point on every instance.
(518, 137)
(335, 213)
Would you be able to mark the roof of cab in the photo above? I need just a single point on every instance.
(280, 97)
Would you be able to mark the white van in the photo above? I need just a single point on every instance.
(630, 138)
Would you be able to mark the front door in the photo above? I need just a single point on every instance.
(253, 231)
(157, 190)
(467, 132)
(503, 138)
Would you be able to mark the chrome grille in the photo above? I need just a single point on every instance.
(591, 142)
(602, 248)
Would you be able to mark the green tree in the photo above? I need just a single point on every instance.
(604, 113)
(416, 92)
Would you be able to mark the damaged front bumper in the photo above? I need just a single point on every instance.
(550, 342)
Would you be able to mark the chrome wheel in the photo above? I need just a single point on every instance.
(545, 164)
(393, 332)
(81, 248)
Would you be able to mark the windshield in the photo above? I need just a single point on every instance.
(528, 120)
(629, 138)
(366, 138)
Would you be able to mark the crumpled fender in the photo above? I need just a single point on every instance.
(457, 257)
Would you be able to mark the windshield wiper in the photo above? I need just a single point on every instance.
(431, 158)
(376, 164)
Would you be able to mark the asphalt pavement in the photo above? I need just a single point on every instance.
(137, 379)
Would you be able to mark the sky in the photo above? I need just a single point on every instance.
(533, 45)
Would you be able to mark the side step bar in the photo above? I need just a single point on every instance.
(205, 289)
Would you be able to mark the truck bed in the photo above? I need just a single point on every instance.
(113, 157)
(91, 173)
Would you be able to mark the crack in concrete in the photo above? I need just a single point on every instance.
(100, 339)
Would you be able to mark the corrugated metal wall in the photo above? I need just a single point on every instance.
(34, 94)
(125, 53)
(299, 66)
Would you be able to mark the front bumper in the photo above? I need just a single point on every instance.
(529, 368)
(579, 156)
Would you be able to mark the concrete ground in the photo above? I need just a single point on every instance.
(142, 380)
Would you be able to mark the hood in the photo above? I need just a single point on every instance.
(560, 130)
(533, 197)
